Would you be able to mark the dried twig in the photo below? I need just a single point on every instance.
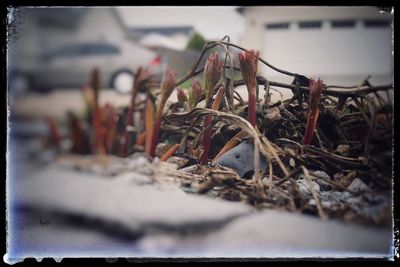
(354, 92)
(344, 161)
(321, 212)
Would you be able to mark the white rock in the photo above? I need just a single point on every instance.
(292, 163)
(343, 150)
(358, 186)
(305, 189)
(323, 174)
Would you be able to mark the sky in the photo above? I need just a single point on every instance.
(211, 22)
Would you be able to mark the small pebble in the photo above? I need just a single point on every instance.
(292, 163)
(357, 186)
(343, 150)
(305, 188)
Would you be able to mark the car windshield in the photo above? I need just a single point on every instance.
(99, 48)
(85, 49)
(66, 51)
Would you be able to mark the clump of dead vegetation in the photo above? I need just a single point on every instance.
(327, 150)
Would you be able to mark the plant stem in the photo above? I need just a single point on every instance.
(206, 139)
(311, 124)
(251, 111)
(207, 126)
(156, 135)
(234, 141)
(98, 144)
(54, 130)
(157, 127)
(130, 119)
(149, 125)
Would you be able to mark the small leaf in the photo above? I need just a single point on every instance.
(234, 141)
(170, 152)
(218, 98)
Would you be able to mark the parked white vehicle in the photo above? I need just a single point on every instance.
(70, 66)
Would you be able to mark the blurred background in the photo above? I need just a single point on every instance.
(53, 50)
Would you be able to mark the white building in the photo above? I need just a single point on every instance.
(342, 45)
(47, 28)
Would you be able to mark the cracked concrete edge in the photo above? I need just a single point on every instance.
(131, 232)
(117, 238)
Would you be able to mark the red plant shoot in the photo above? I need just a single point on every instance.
(207, 125)
(89, 98)
(55, 135)
(167, 86)
(97, 145)
(77, 134)
(312, 118)
(98, 142)
(182, 97)
(206, 139)
(110, 122)
(248, 62)
(195, 92)
(95, 84)
(212, 74)
(142, 75)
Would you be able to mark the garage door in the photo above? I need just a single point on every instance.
(336, 50)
